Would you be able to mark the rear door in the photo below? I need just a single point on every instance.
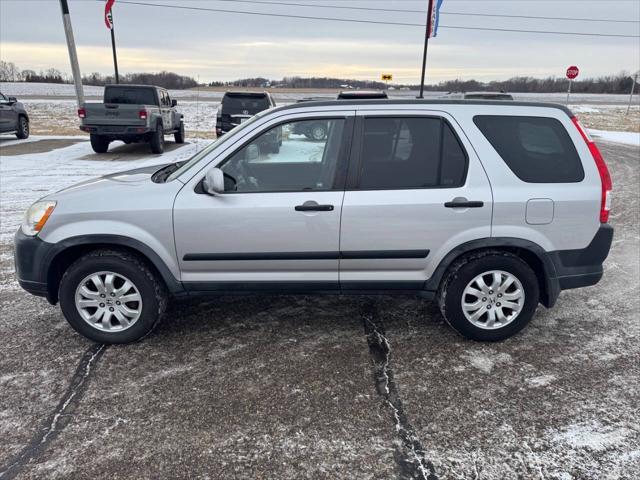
(415, 190)
(278, 223)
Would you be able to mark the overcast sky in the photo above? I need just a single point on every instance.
(227, 46)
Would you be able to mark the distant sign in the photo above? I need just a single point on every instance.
(387, 77)
(572, 72)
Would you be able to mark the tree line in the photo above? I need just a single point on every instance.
(9, 72)
(620, 83)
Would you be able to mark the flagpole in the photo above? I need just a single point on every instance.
(73, 55)
(113, 46)
(426, 47)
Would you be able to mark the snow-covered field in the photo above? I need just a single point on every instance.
(67, 90)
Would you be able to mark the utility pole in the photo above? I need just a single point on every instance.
(73, 55)
(426, 46)
(633, 86)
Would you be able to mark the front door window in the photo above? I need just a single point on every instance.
(292, 157)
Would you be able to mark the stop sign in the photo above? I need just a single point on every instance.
(572, 72)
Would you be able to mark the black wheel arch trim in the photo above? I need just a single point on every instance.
(549, 293)
(109, 241)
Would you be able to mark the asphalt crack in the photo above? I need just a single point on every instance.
(410, 455)
(60, 417)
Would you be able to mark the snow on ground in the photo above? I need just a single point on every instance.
(628, 138)
(26, 178)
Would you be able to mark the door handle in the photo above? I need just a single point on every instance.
(313, 207)
(463, 203)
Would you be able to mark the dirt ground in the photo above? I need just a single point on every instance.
(332, 387)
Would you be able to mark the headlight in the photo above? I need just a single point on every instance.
(36, 217)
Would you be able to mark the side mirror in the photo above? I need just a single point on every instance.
(174, 102)
(213, 182)
(13, 100)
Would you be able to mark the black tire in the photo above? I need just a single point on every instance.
(157, 140)
(99, 144)
(23, 128)
(459, 275)
(179, 135)
(152, 291)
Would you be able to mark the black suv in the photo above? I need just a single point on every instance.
(13, 117)
(237, 107)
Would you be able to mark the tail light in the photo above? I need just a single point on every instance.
(605, 178)
(82, 113)
(142, 114)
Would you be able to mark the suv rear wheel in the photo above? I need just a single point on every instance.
(23, 128)
(317, 132)
(99, 144)
(111, 297)
(489, 296)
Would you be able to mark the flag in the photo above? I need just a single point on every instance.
(435, 17)
(108, 21)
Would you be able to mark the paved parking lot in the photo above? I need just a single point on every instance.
(333, 387)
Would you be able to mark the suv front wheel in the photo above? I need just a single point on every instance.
(23, 128)
(111, 297)
(489, 296)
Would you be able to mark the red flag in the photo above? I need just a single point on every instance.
(107, 13)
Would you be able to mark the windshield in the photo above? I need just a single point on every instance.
(213, 146)
(130, 96)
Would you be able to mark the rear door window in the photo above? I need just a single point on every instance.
(536, 149)
(410, 152)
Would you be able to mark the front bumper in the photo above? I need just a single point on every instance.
(30, 257)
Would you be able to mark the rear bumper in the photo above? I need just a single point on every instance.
(116, 131)
(582, 267)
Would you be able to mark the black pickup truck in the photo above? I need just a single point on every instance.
(132, 113)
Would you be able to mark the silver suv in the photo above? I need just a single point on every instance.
(490, 207)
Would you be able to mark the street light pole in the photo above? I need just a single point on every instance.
(73, 55)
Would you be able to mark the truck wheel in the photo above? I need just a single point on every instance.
(179, 135)
(489, 296)
(111, 296)
(23, 128)
(157, 140)
(99, 144)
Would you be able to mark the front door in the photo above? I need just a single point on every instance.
(415, 191)
(278, 223)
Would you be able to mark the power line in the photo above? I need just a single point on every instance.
(375, 9)
(377, 22)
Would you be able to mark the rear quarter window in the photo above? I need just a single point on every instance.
(536, 149)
